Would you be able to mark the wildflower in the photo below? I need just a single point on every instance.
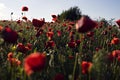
(118, 22)
(9, 35)
(86, 66)
(116, 53)
(10, 55)
(14, 61)
(24, 18)
(59, 33)
(54, 18)
(115, 41)
(50, 44)
(1, 28)
(22, 48)
(72, 44)
(90, 34)
(50, 34)
(85, 24)
(24, 8)
(34, 62)
(38, 23)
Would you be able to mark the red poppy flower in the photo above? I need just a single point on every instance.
(34, 62)
(78, 42)
(59, 76)
(116, 53)
(38, 23)
(118, 22)
(24, 18)
(24, 8)
(10, 55)
(86, 67)
(85, 24)
(50, 44)
(90, 34)
(72, 44)
(59, 33)
(54, 18)
(1, 28)
(14, 61)
(115, 41)
(22, 48)
(9, 35)
(50, 34)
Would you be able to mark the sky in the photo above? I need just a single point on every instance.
(96, 9)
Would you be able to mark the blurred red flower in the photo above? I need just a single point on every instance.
(86, 66)
(72, 44)
(50, 44)
(34, 62)
(115, 41)
(59, 33)
(24, 18)
(22, 48)
(85, 24)
(1, 28)
(116, 53)
(14, 61)
(38, 23)
(54, 18)
(10, 55)
(50, 34)
(118, 22)
(9, 35)
(24, 8)
(90, 34)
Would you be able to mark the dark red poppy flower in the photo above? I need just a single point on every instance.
(24, 18)
(72, 44)
(18, 21)
(54, 18)
(86, 67)
(9, 35)
(34, 62)
(50, 44)
(115, 41)
(59, 33)
(78, 42)
(118, 22)
(50, 34)
(85, 24)
(90, 34)
(59, 76)
(22, 48)
(24, 8)
(38, 23)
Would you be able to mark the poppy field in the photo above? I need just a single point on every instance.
(59, 50)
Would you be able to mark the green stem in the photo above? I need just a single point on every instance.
(74, 69)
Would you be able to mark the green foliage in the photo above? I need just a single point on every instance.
(71, 14)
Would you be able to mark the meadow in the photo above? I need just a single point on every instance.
(59, 50)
